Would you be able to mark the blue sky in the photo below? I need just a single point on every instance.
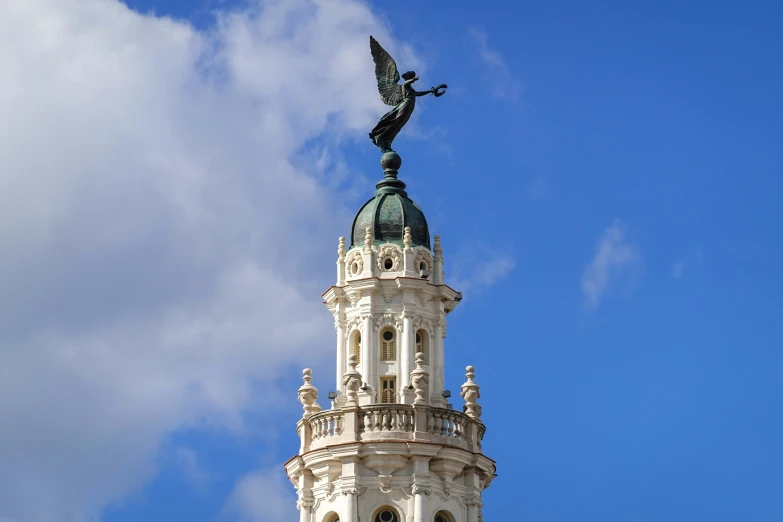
(606, 178)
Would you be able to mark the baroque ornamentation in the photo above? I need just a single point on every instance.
(304, 503)
(308, 394)
(470, 393)
(341, 250)
(352, 380)
(420, 489)
(421, 323)
(385, 486)
(368, 240)
(387, 320)
(420, 380)
(388, 252)
(354, 263)
(354, 323)
(423, 256)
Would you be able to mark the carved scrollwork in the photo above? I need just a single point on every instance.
(385, 481)
(420, 489)
(387, 320)
(304, 503)
(423, 256)
(354, 264)
(420, 323)
(389, 258)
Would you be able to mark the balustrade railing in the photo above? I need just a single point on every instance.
(388, 417)
(329, 423)
(394, 421)
(447, 423)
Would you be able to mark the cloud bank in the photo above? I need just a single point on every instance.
(616, 262)
(157, 215)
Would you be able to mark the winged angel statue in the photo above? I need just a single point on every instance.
(401, 97)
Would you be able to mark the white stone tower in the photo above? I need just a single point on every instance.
(390, 448)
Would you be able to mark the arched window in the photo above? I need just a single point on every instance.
(386, 515)
(421, 343)
(443, 516)
(332, 517)
(356, 346)
(388, 351)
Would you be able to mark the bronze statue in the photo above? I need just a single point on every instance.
(402, 97)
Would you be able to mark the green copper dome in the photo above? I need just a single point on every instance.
(390, 211)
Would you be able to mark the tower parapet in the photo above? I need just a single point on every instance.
(391, 448)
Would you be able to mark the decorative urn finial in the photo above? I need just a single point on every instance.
(420, 380)
(352, 380)
(308, 394)
(470, 392)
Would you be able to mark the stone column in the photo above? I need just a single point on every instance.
(406, 355)
(369, 366)
(436, 365)
(420, 502)
(473, 510)
(341, 350)
(305, 507)
(349, 507)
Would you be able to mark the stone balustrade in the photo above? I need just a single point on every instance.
(379, 422)
(386, 418)
(327, 424)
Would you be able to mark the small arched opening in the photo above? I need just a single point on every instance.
(443, 516)
(356, 346)
(386, 514)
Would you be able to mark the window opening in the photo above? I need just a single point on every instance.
(356, 346)
(386, 515)
(388, 390)
(388, 352)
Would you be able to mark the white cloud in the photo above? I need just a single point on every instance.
(503, 83)
(261, 496)
(159, 232)
(480, 268)
(616, 261)
(188, 463)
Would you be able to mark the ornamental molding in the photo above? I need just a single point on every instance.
(354, 256)
(355, 323)
(388, 252)
(385, 484)
(419, 489)
(423, 255)
(388, 320)
(419, 323)
(303, 503)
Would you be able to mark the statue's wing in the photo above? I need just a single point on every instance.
(386, 73)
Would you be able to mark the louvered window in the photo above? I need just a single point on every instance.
(388, 352)
(356, 346)
(388, 392)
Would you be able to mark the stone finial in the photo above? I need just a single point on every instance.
(368, 240)
(308, 394)
(341, 249)
(438, 249)
(470, 392)
(352, 380)
(420, 380)
(407, 240)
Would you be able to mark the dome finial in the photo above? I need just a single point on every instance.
(391, 163)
